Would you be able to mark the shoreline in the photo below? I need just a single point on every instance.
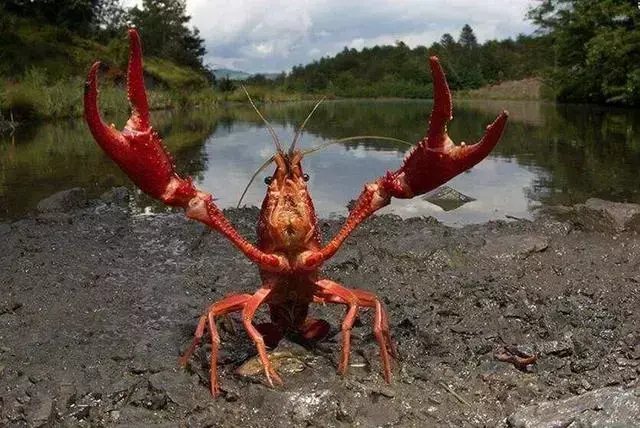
(98, 305)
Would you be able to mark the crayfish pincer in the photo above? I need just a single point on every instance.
(288, 251)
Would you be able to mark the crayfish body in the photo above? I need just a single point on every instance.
(289, 251)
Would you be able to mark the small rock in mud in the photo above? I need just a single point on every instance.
(605, 216)
(65, 201)
(447, 198)
(116, 195)
(285, 359)
(605, 407)
(40, 410)
(511, 246)
(178, 388)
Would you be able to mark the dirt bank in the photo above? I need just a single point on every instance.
(96, 305)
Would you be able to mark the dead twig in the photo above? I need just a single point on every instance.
(455, 394)
(512, 355)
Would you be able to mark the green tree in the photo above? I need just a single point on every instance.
(76, 15)
(163, 24)
(468, 38)
(469, 67)
(110, 19)
(596, 47)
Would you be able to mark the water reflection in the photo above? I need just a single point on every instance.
(548, 155)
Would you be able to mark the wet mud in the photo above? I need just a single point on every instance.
(97, 304)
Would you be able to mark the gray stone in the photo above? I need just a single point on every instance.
(600, 408)
(177, 386)
(67, 200)
(560, 348)
(447, 198)
(40, 411)
(5, 228)
(511, 246)
(116, 195)
(605, 216)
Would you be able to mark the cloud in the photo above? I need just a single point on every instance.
(274, 35)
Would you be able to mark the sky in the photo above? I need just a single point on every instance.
(274, 35)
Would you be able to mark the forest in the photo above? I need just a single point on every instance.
(583, 51)
(586, 51)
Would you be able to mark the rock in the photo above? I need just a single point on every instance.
(602, 407)
(40, 411)
(511, 246)
(283, 362)
(447, 198)
(605, 216)
(177, 386)
(116, 195)
(305, 405)
(5, 228)
(8, 305)
(560, 348)
(64, 201)
(65, 397)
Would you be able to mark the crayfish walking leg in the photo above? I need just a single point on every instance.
(234, 303)
(331, 292)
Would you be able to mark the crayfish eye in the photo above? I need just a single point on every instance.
(305, 177)
(268, 180)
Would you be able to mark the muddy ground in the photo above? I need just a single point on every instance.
(97, 304)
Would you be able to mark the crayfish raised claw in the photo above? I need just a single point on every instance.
(289, 251)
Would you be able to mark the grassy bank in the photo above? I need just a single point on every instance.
(32, 99)
(533, 88)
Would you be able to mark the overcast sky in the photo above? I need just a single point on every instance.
(275, 35)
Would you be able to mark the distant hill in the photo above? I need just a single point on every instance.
(222, 73)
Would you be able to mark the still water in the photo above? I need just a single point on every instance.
(549, 154)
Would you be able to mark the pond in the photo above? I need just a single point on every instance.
(549, 154)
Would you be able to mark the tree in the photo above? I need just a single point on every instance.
(164, 26)
(467, 38)
(447, 41)
(110, 18)
(226, 85)
(596, 48)
(76, 15)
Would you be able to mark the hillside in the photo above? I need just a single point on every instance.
(43, 67)
(26, 45)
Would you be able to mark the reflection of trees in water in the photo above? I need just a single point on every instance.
(575, 151)
(585, 151)
(58, 155)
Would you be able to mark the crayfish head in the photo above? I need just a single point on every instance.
(287, 211)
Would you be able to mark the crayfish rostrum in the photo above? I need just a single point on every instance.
(289, 251)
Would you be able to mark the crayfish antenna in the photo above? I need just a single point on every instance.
(266, 122)
(298, 133)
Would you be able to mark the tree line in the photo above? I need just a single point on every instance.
(164, 24)
(586, 51)
(401, 71)
(595, 49)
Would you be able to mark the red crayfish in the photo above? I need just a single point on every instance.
(289, 251)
